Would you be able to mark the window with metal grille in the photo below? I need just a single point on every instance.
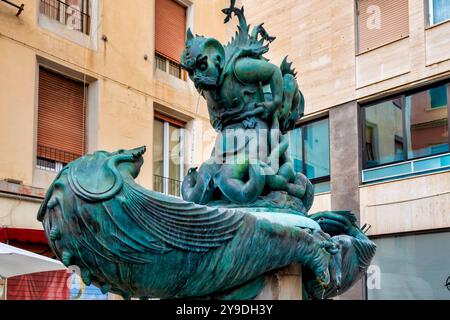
(380, 22)
(161, 62)
(174, 68)
(73, 13)
(170, 30)
(61, 120)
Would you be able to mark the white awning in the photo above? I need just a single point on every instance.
(16, 262)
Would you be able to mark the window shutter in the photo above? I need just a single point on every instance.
(61, 117)
(175, 122)
(170, 29)
(381, 22)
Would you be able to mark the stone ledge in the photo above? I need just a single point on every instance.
(20, 190)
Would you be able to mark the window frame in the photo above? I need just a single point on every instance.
(402, 97)
(401, 235)
(167, 122)
(85, 13)
(429, 14)
(51, 165)
(321, 179)
(169, 63)
(357, 26)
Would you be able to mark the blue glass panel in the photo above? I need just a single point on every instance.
(432, 164)
(426, 119)
(317, 149)
(322, 187)
(441, 10)
(384, 133)
(295, 148)
(387, 172)
(438, 97)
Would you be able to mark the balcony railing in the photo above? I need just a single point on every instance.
(71, 15)
(167, 185)
(53, 159)
(170, 66)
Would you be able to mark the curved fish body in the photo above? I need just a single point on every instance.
(138, 243)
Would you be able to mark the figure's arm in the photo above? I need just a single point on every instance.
(259, 71)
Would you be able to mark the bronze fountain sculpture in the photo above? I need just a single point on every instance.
(244, 212)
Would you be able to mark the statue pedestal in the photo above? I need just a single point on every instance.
(286, 284)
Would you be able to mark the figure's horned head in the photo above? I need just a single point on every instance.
(204, 59)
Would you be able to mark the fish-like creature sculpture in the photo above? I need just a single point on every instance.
(139, 243)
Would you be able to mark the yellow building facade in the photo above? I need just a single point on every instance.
(123, 89)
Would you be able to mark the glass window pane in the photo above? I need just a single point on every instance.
(441, 11)
(384, 133)
(158, 155)
(322, 187)
(174, 160)
(317, 149)
(410, 267)
(426, 118)
(295, 148)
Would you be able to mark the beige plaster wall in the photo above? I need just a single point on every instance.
(126, 86)
(322, 202)
(319, 38)
(422, 57)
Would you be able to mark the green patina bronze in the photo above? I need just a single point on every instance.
(244, 211)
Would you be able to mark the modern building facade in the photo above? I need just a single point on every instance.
(83, 75)
(374, 139)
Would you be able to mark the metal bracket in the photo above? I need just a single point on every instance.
(19, 8)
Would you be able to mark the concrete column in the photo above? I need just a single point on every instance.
(345, 169)
(344, 157)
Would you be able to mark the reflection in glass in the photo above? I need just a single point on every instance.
(426, 119)
(158, 155)
(410, 267)
(322, 187)
(317, 149)
(167, 157)
(174, 160)
(384, 133)
(295, 148)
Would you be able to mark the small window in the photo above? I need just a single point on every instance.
(438, 11)
(168, 155)
(170, 66)
(309, 149)
(170, 30)
(384, 133)
(161, 62)
(426, 119)
(73, 13)
(380, 22)
(61, 120)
